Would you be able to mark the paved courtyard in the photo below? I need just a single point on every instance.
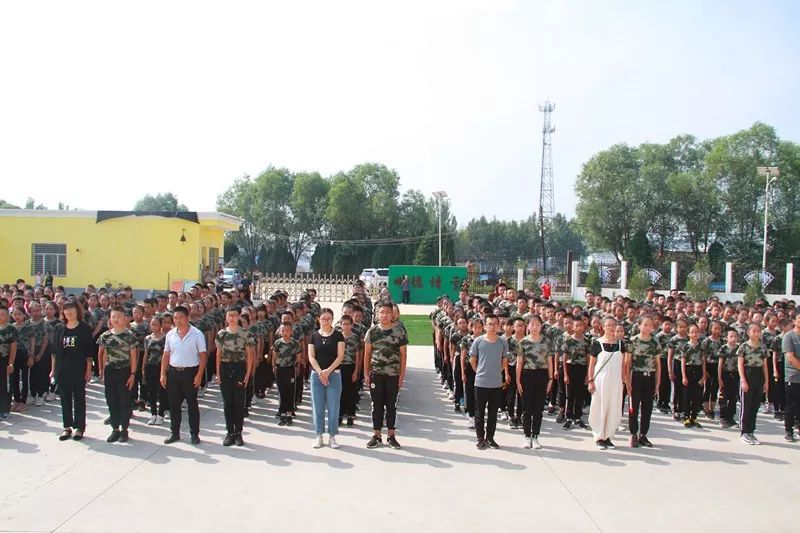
(693, 480)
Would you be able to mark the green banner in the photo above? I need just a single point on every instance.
(426, 283)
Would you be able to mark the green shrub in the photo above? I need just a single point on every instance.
(593, 279)
(698, 283)
(638, 284)
(753, 292)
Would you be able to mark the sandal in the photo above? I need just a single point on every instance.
(78, 434)
(65, 435)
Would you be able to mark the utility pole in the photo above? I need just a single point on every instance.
(546, 200)
(770, 175)
(440, 196)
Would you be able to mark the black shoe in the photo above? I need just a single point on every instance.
(65, 435)
(582, 424)
(229, 439)
(560, 418)
(789, 437)
(289, 421)
(282, 422)
(457, 409)
(512, 424)
(195, 439)
(711, 415)
(239, 440)
(600, 445)
(350, 422)
(609, 444)
(391, 441)
(107, 421)
(247, 413)
(568, 424)
(481, 445)
(114, 437)
(492, 444)
(123, 435)
(645, 442)
(173, 437)
(696, 424)
(375, 441)
(78, 435)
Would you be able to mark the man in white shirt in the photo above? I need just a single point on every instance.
(182, 369)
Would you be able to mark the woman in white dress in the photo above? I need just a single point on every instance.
(605, 378)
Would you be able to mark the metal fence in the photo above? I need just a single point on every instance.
(329, 287)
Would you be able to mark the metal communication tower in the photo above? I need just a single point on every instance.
(546, 201)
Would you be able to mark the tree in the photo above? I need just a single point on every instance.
(698, 283)
(698, 209)
(753, 292)
(639, 251)
(240, 200)
(638, 284)
(159, 202)
(7, 205)
(593, 279)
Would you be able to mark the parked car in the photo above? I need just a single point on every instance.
(229, 275)
(375, 277)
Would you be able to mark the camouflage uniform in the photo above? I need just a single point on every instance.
(233, 346)
(534, 353)
(692, 355)
(729, 386)
(118, 347)
(384, 373)
(284, 357)
(351, 347)
(753, 359)
(285, 353)
(644, 353)
(117, 372)
(154, 349)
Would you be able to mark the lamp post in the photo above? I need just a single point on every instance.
(770, 176)
(440, 195)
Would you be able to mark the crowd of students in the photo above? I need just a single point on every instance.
(169, 349)
(667, 352)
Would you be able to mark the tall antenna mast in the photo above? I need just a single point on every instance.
(546, 201)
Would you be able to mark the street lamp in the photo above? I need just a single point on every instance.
(770, 175)
(440, 195)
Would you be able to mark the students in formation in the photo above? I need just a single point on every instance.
(510, 357)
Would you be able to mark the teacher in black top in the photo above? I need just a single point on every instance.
(325, 354)
(72, 369)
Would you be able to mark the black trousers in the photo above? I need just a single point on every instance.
(180, 387)
(665, 388)
(643, 390)
(156, 394)
(40, 376)
(383, 391)
(21, 374)
(118, 396)
(561, 396)
(406, 297)
(779, 385)
(728, 395)
(5, 398)
(458, 383)
(693, 392)
(751, 400)
(347, 400)
(792, 413)
(576, 391)
(513, 400)
(447, 374)
(677, 389)
(260, 375)
(493, 399)
(469, 390)
(72, 390)
(298, 384)
(233, 395)
(711, 391)
(286, 378)
(534, 393)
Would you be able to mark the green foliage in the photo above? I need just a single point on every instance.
(7, 205)
(593, 279)
(753, 292)
(638, 284)
(159, 202)
(639, 251)
(698, 283)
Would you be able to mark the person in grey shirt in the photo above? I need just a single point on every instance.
(791, 358)
(489, 358)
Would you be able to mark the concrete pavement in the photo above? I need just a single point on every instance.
(692, 480)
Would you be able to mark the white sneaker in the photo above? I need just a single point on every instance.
(471, 423)
(39, 401)
(450, 395)
(152, 421)
(754, 440)
(536, 445)
(332, 443)
(746, 438)
(94, 379)
(318, 441)
(159, 420)
(527, 443)
(504, 416)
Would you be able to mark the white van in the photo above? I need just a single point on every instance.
(375, 277)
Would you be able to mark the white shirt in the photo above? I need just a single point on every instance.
(185, 351)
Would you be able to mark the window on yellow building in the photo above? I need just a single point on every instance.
(49, 258)
(213, 258)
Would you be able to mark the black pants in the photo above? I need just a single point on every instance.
(260, 376)
(40, 376)
(286, 378)
(406, 297)
(643, 389)
(118, 396)
(711, 391)
(534, 393)
(458, 383)
(665, 387)
(180, 387)
(561, 396)
(156, 394)
(728, 395)
(751, 400)
(512, 400)
(233, 395)
(72, 390)
(469, 390)
(447, 373)
(5, 398)
(491, 398)
(792, 413)
(383, 392)
(347, 400)
(576, 391)
(21, 374)
(779, 385)
(677, 390)
(298, 385)
(693, 392)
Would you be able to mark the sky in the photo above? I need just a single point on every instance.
(104, 102)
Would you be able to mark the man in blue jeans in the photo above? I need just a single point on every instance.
(489, 358)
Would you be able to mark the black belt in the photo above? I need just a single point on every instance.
(645, 373)
(182, 368)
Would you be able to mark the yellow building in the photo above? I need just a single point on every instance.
(154, 251)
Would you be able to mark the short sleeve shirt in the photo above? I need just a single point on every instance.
(534, 353)
(644, 353)
(233, 346)
(154, 349)
(753, 357)
(386, 344)
(576, 350)
(8, 336)
(286, 352)
(118, 348)
(692, 354)
(729, 357)
(490, 357)
(791, 343)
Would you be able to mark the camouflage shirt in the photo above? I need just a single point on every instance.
(711, 350)
(140, 331)
(118, 348)
(729, 357)
(663, 339)
(285, 353)
(676, 344)
(386, 345)
(513, 342)
(351, 347)
(232, 347)
(534, 353)
(576, 350)
(691, 353)
(154, 349)
(767, 338)
(556, 336)
(8, 336)
(644, 353)
(38, 331)
(741, 329)
(753, 357)
(54, 328)
(455, 339)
